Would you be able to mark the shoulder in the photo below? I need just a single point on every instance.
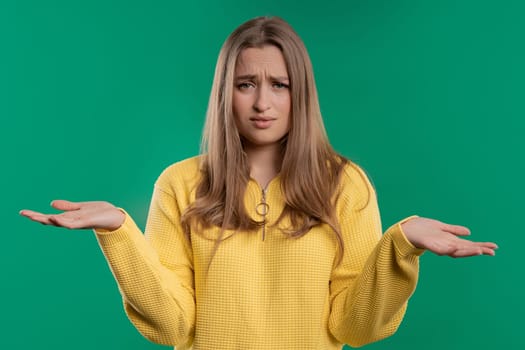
(355, 185)
(183, 174)
(355, 176)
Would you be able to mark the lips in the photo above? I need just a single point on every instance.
(262, 122)
(262, 118)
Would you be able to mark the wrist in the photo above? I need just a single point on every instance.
(115, 218)
(120, 217)
(407, 228)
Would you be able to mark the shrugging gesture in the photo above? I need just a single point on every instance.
(424, 233)
(241, 244)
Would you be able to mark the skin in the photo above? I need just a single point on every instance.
(262, 104)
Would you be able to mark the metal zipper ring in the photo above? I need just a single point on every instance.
(262, 209)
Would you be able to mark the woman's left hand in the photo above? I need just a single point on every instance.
(443, 239)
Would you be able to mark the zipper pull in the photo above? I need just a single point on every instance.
(262, 209)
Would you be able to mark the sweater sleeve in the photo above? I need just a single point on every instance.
(377, 274)
(154, 272)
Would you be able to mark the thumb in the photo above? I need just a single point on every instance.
(61, 204)
(456, 229)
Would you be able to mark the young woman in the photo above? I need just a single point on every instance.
(269, 239)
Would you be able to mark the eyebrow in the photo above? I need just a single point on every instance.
(253, 77)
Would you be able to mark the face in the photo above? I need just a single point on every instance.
(261, 96)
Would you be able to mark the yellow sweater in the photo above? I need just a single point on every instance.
(271, 293)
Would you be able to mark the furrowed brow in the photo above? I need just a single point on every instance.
(245, 77)
(254, 77)
(280, 78)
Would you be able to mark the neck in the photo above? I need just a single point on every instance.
(265, 162)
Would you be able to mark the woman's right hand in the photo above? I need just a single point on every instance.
(80, 215)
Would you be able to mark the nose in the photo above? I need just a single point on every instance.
(262, 99)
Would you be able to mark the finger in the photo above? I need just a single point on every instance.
(466, 252)
(473, 251)
(456, 229)
(489, 245)
(61, 204)
(36, 216)
(488, 251)
(27, 212)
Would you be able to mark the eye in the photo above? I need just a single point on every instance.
(279, 85)
(245, 85)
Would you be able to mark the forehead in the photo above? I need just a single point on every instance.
(267, 59)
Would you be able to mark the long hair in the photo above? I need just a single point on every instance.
(310, 170)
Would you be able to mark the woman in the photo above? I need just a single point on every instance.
(269, 239)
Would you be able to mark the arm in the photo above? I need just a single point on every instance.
(377, 274)
(154, 273)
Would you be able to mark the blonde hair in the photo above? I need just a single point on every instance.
(310, 170)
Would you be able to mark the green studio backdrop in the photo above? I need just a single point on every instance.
(98, 97)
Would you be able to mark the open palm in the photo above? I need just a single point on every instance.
(80, 215)
(444, 239)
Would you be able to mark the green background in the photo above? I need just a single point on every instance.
(97, 97)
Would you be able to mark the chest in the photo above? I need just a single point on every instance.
(245, 261)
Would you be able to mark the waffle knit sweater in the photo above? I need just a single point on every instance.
(270, 292)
